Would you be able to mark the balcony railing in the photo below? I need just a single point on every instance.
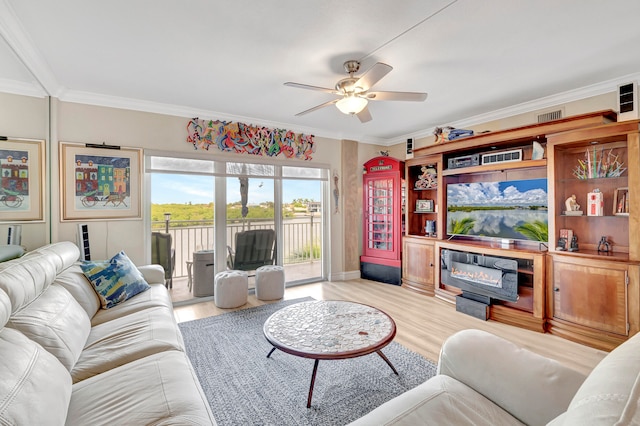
(301, 236)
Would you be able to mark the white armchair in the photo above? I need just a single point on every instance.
(486, 380)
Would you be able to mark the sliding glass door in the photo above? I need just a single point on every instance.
(288, 200)
(302, 231)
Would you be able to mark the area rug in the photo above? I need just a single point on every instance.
(244, 387)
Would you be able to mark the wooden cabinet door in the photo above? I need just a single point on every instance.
(417, 265)
(592, 294)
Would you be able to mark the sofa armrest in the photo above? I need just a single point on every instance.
(532, 388)
(153, 274)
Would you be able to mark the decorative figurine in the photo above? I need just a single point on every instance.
(441, 134)
(571, 204)
(562, 244)
(604, 246)
(428, 178)
(572, 208)
(574, 243)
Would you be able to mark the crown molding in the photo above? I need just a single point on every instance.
(530, 106)
(20, 43)
(24, 88)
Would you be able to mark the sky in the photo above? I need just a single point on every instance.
(517, 193)
(182, 189)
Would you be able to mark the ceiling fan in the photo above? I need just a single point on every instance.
(355, 92)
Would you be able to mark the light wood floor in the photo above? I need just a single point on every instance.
(423, 322)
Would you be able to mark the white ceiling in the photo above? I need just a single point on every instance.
(229, 59)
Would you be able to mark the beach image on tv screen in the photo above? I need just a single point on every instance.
(515, 209)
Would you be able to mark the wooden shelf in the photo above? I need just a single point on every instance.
(593, 254)
(590, 294)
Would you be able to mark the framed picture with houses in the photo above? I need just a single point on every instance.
(100, 183)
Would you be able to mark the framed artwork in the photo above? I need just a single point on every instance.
(100, 183)
(424, 206)
(621, 201)
(22, 173)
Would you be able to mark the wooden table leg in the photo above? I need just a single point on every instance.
(313, 381)
(387, 361)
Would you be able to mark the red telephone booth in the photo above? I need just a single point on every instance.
(383, 221)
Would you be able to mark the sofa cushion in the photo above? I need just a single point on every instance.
(156, 296)
(63, 254)
(76, 283)
(160, 389)
(153, 274)
(499, 365)
(35, 388)
(611, 393)
(23, 279)
(115, 280)
(127, 339)
(57, 322)
(438, 401)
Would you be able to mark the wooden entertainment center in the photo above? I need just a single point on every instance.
(586, 290)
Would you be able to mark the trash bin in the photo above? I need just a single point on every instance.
(203, 273)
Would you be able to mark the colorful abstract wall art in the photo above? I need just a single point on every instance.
(248, 139)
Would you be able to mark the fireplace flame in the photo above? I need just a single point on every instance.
(476, 276)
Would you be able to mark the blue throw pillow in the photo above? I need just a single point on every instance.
(115, 280)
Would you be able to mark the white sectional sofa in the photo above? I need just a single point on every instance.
(66, 360)
(485, 380)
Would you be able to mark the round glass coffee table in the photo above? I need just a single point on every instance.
(329, 329)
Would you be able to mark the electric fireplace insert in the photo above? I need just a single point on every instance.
(476, 274)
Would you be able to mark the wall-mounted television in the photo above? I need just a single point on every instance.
(515, 210)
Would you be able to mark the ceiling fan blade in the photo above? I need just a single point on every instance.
(373, 75)
(396, 96)
(364, 115)
(308, 87)
(317, 107)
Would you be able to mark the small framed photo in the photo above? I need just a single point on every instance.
(621, 202)
(424, 206)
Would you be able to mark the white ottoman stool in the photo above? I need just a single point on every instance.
(231, 289)
(270, 282)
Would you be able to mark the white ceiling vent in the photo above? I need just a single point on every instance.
(550, 116)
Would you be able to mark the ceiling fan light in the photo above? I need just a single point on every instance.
(351, 104)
